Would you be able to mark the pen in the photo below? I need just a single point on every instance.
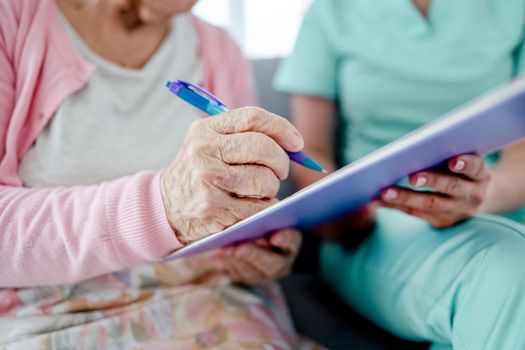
(207, 102)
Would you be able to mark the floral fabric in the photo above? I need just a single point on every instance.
(184, 304)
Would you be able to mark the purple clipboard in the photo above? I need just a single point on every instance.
(483, 126)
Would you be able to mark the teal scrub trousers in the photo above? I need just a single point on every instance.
(462, 287)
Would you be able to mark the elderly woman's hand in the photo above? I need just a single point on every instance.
(264, 260)
(457, 194)
(228, 168)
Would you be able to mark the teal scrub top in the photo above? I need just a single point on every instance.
(392, 70)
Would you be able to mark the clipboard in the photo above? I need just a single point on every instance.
(485, 125)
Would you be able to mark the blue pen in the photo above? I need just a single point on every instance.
(207, 102)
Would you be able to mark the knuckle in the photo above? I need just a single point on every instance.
(208, 175)
(197, 147)
(269, 185)
(479, 165)
(248, 253)
(224, 146)
(277, 123)
(402, 197)
(229, 178)
(453, 185)
(273, 154)
(252, 175)
(198, 125)
(433, 203)
(478, 196)
(283, 164)
(252, 116)
(263, 143)
(408, 210)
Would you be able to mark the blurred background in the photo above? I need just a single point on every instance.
(266, 31)
(263, 29)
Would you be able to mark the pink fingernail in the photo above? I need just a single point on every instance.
(460, 165)
(390, 194)
(421, 181)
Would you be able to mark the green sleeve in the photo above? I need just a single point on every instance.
(311, 69)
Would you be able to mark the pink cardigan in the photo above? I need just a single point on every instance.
(62, 235)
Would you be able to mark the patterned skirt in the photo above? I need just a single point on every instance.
(183, 304)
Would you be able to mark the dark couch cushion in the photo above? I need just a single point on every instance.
(320, 315)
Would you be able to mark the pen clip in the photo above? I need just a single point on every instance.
(176, 86)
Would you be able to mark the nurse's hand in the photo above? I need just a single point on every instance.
(456, 194)
(228, 169)
(264, 260)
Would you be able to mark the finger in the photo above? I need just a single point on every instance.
(242, 208)
(262, 242)
(245, 273)
(254, 148)
(287, 240)
(449, 184)
(249, 181)
(258, 120)
(441, 220)
(424, 201)
(472, 166)
(268, 263)
(409, 210)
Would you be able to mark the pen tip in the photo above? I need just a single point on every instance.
(324, 171)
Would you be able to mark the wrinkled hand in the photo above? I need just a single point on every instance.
(456, 195)
(264, 260)
(228, 169)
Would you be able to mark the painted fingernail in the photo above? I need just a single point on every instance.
(460, 165)
(421, 181)
(390, 194)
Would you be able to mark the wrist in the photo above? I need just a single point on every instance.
(136, 219)
(166, 182)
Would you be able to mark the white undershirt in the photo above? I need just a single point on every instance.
(123, 121)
